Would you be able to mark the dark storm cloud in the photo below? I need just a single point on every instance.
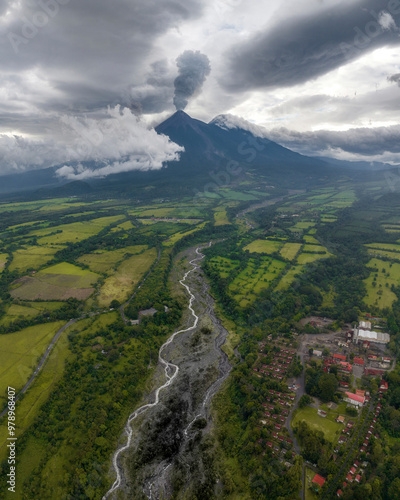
(297, 50)
(97, 44)
(360, 141)
(155, 95)
(194, 68)
(395, 78)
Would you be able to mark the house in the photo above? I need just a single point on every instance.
(359, 392)
(349, 478)
(317, 482)
(340, 357)
(339, 493)
(352, 470)
(354, 400)
(358, 478)
(322, 413)
(344, 384)
(384, 386)
(373, 372)
(344, 366)
(317, 353)
(358, 361)
(386, 360)
(340, 419)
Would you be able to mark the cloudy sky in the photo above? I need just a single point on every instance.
(322, 76)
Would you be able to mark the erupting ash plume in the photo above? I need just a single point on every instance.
(194, 68)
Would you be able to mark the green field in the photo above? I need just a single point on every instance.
(19, 353)
(290, 250)
(288, 278)
(15, 312)
(58, 282)
(330, 428)
(224, 266)
(32, 257)
(384, 246)
(126, 226)
(310, 239)
(221, 217)
(181, 234)
(102, 261)
(387, 274)
(120, 285)
(255, 278)
(74, 232)
(38, 393)
(264, 246)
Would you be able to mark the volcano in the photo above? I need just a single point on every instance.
(210, 146)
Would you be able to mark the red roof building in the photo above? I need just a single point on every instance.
(384, 386)
(354, 399)
(358, 361)
(345, 366)
(358, 478)
(318, 482)
(339, 356)
(339, 493)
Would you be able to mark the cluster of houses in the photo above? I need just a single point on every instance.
(279, 365)
(356, 471)
(343, 366)
(276, 411)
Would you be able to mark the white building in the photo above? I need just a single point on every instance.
(361, 335)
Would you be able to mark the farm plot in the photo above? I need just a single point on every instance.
(290, 250)
(20, 351)
(15, 312)
(312, 253)
(301, 226)
(178, 236)
(288, 278)
(264, 246)
(257, 276)
(391, 247)
(129, 273)
(383, 276)
(103, 262)
(126, 226)
(32, 257)
(76, 231)
(221, 217)
(59, 282)
(223, 265)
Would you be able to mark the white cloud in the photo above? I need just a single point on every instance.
(386, 21)
(117, 140)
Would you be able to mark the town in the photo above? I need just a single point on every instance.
(338, 394)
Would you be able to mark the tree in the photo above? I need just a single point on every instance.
(304, 401)
(327, 386)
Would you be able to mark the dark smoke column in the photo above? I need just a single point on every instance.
(194, 68)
